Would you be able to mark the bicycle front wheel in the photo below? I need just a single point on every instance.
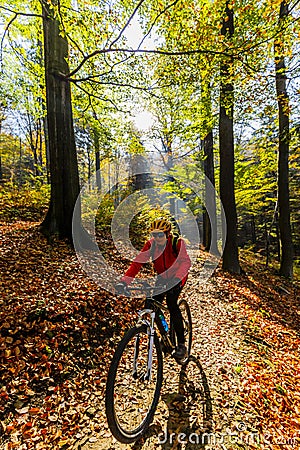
(131, 398)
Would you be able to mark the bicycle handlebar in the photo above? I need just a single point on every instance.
(145, 287)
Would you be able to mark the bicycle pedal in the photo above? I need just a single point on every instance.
(180, 361)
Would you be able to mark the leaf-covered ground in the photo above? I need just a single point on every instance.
(58, 332)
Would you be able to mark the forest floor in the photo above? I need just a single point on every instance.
(58, 331)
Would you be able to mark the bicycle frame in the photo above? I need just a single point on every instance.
(150, 324)
(150, 330)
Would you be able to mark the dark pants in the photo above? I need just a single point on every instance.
(175, 314)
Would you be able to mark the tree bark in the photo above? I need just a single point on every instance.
(230, 254)
(210, 240)
(1, 174)
(286, 264)
(97, 158)
(253, 230)
(62, 151)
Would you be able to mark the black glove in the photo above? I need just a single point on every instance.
(121, 288)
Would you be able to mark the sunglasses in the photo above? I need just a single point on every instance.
(158, 234)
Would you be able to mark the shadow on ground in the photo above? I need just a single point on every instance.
(189, 412)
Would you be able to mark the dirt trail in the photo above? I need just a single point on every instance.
(203, 398)
(242, 381)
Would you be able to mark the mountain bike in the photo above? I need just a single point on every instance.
(136, 372)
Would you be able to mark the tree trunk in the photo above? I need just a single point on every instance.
(62, 151)
(210, 238)
(210, 219)
(267, 237)
(278, 249)
(1, 173)
(88, 150)
(47, 152)
(253, 230)
(40, 147)
(170, 165)
(286, 265)
(44, 125)
(20, 178)
(230, 254)
(97, 158)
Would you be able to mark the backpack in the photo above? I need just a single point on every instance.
(175, 238)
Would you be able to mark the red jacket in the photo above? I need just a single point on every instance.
(166, 263)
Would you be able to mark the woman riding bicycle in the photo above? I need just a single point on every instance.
(172, 263)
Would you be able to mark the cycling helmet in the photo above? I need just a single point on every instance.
(160, 224)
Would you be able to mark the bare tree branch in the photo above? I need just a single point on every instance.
(268, 39)
(115, 83)
(112, 66)
(295, 4)
(3, 37)
(151, 51)
(127, 23)
(161, 155)
(23, 60)
(16, 14)
(67, 34)
(187, 153)
(156, 19)
(107, 100)
(20, 13)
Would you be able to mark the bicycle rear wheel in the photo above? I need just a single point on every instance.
(131, 400)
(188, 329)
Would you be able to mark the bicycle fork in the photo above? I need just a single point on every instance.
(150, 331)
